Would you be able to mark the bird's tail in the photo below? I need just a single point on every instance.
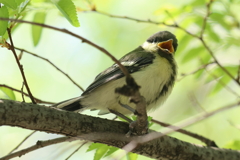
(70, 104)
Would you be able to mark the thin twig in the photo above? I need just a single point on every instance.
(175, 25)
(75, 151)
(238, 73)
(20, 55)
(135, 19)
(196, 103)
(84, 40)
(234, 125)
(223, 84)
(21, 142)
(208, 8)
(205, 140)
(20, 66)
(24, 93)
(45, 59)
(183, 75)
(39, 144)
(215, 59)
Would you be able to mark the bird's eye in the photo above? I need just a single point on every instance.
(166, 46)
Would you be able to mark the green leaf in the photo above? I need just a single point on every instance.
(184, 43)
(233, 145)
(39, 17)
(10, 94)
(219, 18)
(100, 152)
(131, 156)
(94, 146)
(197, 3)
(110, 151)
(205, 58)
(222, 82)
(9, 3)
(68, 9)
(199, 73)
(3, 24)
(232, 69)
(212, 34)
(195, 52)
(19, 2)
(22, 6)
(223, 78)
(233, 41)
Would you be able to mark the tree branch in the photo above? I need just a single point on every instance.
(39, 144)
(52, 64)
(20, 66)
(15, 148)
(25, 94)
(205, 140)
(105, 131)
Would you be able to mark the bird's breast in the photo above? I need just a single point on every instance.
(156, 81)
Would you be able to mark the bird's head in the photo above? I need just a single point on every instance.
(164, 41)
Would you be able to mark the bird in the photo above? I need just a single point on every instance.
(153, 67)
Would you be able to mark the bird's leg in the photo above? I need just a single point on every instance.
(133, 124)
(131, 90)
(128, 107)
(120, 115)
(134, 127)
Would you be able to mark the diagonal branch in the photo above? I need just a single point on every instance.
(75, 151)
(208, 6)
(15, 148)
(39, 144)
(45, 59)
(205, 140)
(175, 25)
(20, 66)
(183, 75)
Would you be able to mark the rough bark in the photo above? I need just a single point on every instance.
(51, 120)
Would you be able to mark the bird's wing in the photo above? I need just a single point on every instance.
(133, 61)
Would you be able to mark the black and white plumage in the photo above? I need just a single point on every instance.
(153, 67)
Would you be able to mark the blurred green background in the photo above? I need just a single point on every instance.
(193, 94)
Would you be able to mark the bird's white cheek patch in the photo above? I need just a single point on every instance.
(149, 47)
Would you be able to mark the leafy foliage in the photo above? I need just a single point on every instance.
(102, 151)
(233, 145)
(9, 93)
(3, 24)
(67, 8)
(39, 17)
(15, 9)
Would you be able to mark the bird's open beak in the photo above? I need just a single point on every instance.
(166, 46)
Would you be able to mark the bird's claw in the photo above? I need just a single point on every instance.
(134, 128)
